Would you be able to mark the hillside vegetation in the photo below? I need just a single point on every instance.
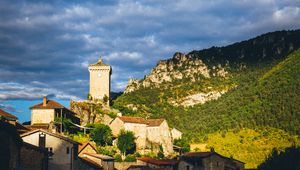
(258, 87)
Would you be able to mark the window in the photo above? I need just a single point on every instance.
(187, 167)
(50, 152)
(68, 150)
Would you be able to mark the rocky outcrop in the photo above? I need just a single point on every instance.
(198, 98)
(180, 67)
(90, 111)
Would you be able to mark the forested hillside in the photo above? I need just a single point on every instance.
(259, 87)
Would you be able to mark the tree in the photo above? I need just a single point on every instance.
(126, 142)
(105, 98)
(102, 134)
(183, 143)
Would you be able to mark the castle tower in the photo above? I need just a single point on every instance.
(99, 80)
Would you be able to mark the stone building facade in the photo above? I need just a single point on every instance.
(150, 133)
(62, 150)
(46, 113)
(100, 80)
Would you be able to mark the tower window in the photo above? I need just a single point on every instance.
(68, 150)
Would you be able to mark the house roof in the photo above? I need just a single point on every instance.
(99, 63)
(84, 145)
(194, 156)
(99, 156)
(50, 104)
(157, 161)
(90, 162)
(51, 134)
(7, 115)
(38, 126)
(154, 122)
(140, 120)
(129, 119)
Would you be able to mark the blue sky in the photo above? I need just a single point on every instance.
(45, 46)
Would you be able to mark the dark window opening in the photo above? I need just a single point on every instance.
(68, 150)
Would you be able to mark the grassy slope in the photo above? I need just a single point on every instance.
(251, 146)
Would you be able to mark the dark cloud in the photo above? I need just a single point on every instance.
(45, 47)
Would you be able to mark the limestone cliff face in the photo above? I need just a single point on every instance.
(183, 68)
(93, 112)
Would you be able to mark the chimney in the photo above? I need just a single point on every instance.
(42, 140)
(44, 101)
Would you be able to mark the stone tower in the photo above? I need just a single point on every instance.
(99, 80)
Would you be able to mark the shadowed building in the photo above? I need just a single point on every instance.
(100, 80)
(208, 161)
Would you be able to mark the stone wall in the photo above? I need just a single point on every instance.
(99, 81)
(125, 165)
(42, 116)
(60, 159)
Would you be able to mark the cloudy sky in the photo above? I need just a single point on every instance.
(45, 46)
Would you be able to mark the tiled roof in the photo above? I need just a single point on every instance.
(99, 156)
(7, 115)
(140, 120)
(129, 119)
(90, 162)
(83, 145)
(198, 154)
(49, 133)
(195, 156)
(51, 104)
(154, 122)
(157, 161)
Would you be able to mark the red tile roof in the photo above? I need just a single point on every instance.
(140, 120)
(154, 122)
(7, 115)
(129, 119)
(51, 104)
(157, 161)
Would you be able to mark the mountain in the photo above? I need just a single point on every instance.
(252, 84)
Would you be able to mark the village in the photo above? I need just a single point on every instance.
(61, 138)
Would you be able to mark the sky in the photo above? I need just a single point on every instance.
(46, 46)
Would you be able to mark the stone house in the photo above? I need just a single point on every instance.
(164, 164)
(62, 150)
(149, 133)
(176, 134)
(208, 161)
(44, 115)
